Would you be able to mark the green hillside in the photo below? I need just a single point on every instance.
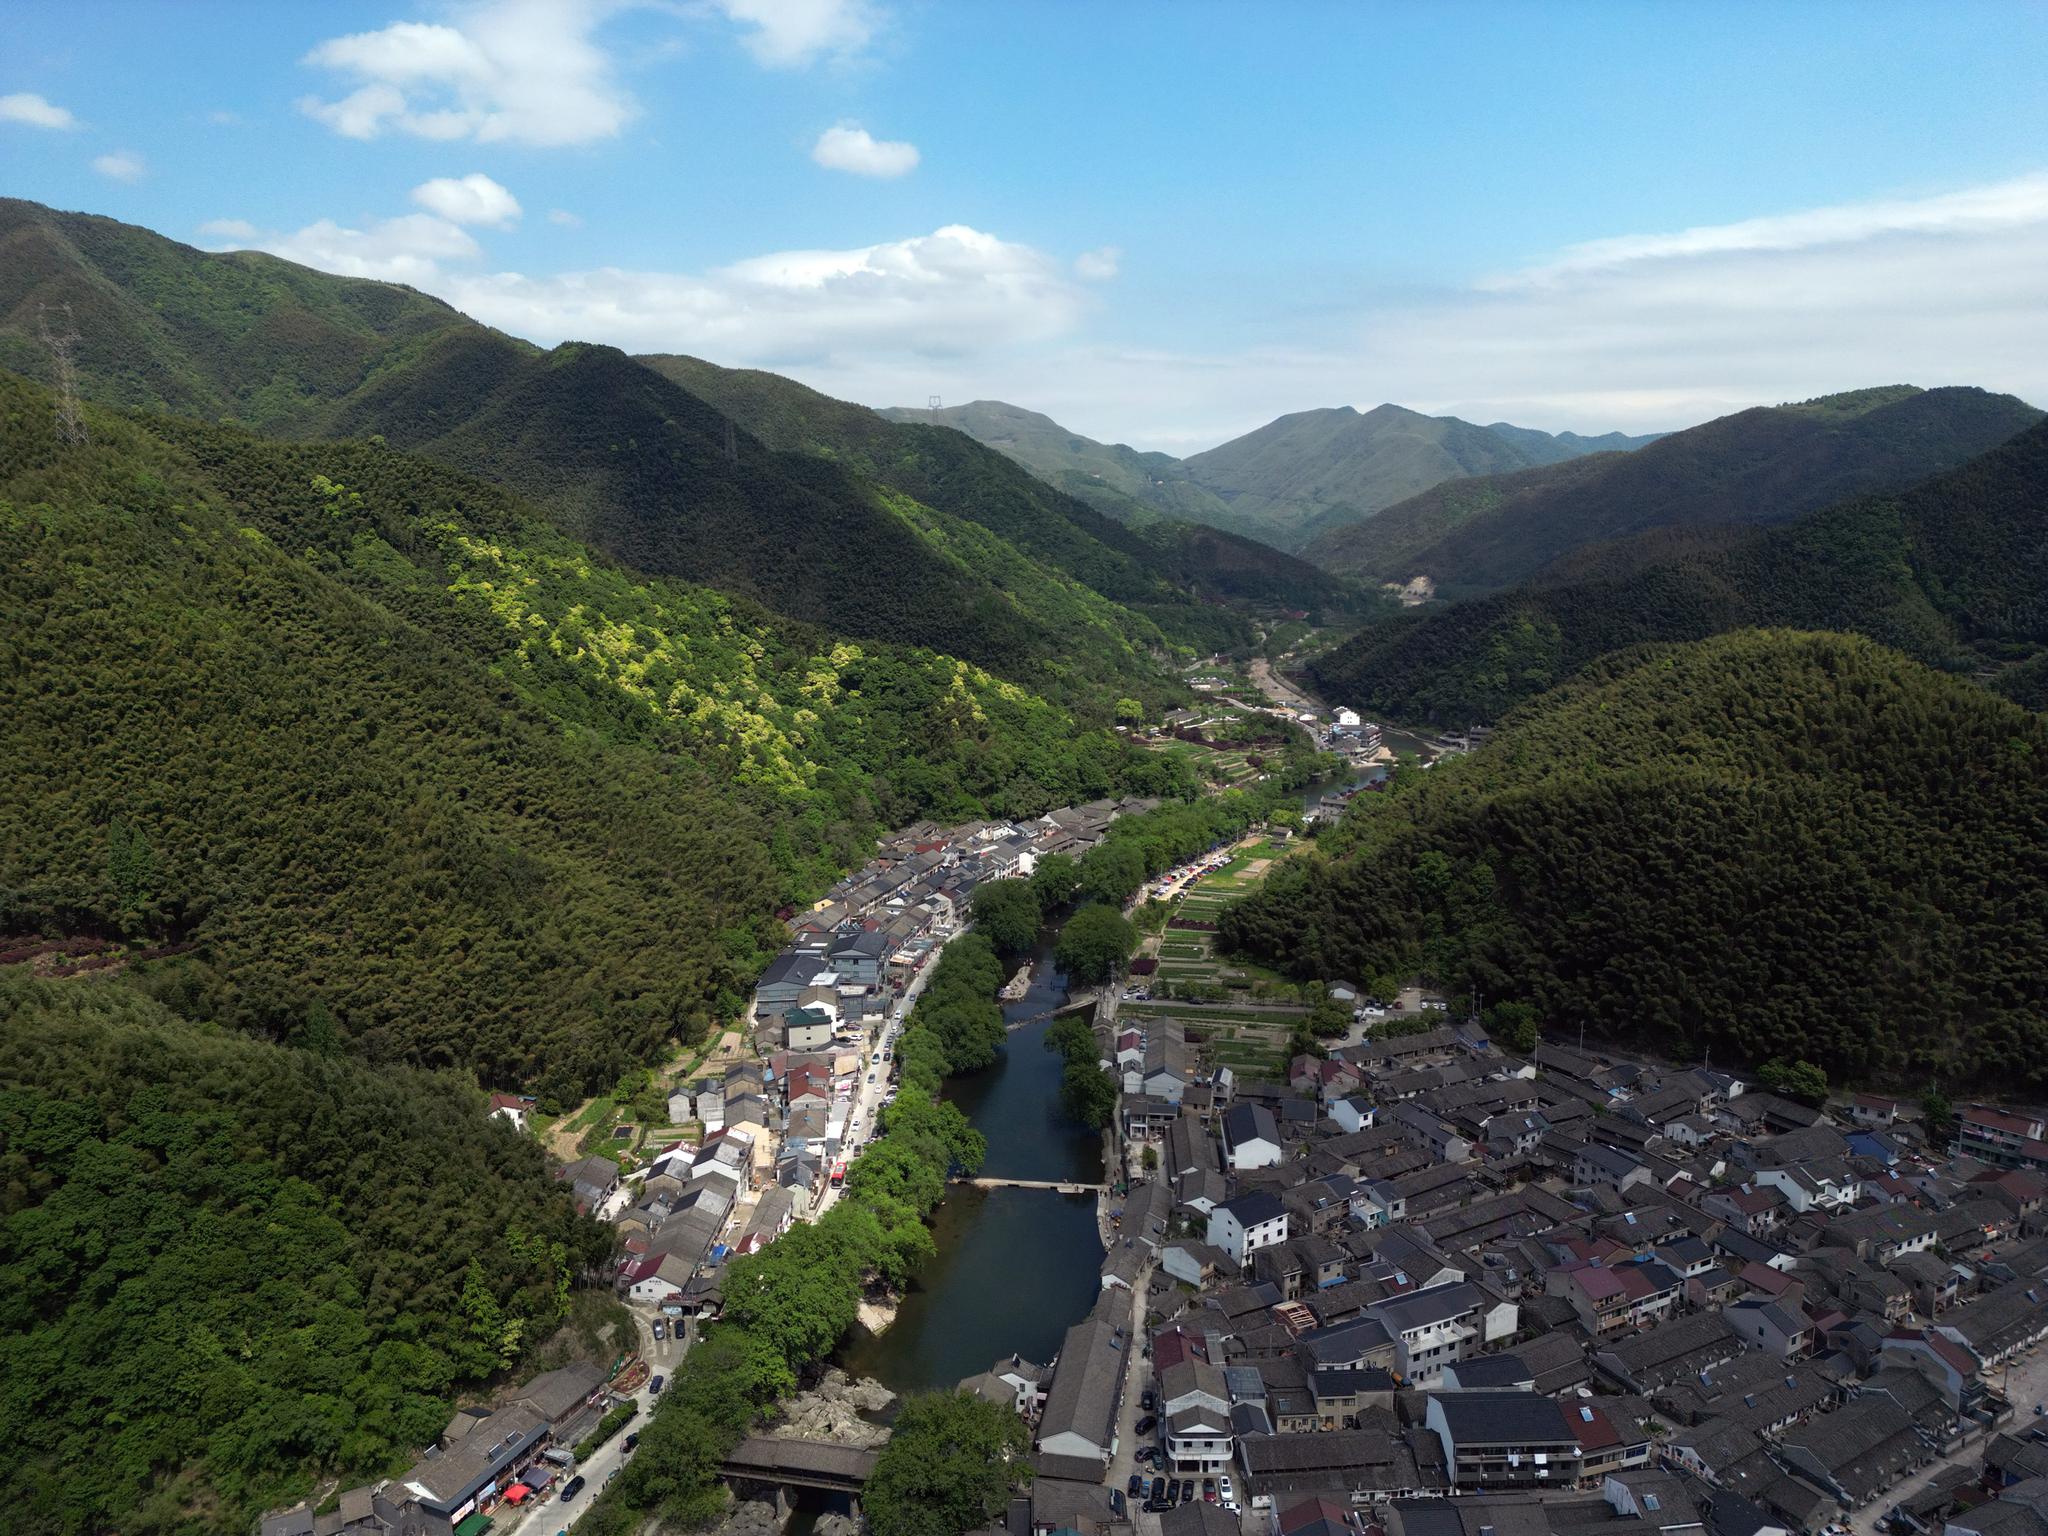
(1339, 465)
(165, 327)
(1767, 844)
(1768, 465)
(619, 456)
(1282, 484)
(232, 1269)
(1171, 571)
(384, 757)
(1129, 485)
(1300, 476)
(1953, 571)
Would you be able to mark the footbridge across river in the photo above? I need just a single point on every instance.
(783, 1462)
(1064, 1186)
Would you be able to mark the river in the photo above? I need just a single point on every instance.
(1311, 794)
(1015, 1267)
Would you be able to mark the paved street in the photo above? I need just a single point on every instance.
(542, 1519)
(2025, 1384)
(1122, 1465)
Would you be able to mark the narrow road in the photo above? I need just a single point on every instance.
(1282, 693)
(2024, 1382)
(541, 1518)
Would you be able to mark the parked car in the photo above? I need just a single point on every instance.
(654, 1386)
(660, 1330)
(1187, 1490)
(1149, 1401)
(1158, 1487)
(1137, 1484)
(1209, 1489)
(1146, 1425)
(633, 1439)
(1223, 1487)
(1116, 1502)
(571, 1488)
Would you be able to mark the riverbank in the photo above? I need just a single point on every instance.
(1014, 1268)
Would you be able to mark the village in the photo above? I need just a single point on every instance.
(1427, 1286)
(1416, 1284)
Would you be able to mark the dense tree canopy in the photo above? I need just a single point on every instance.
(228, 1269)
(1951, 571)
(1006, 913)
(1095, 945)
(1773, 845)
(386, 761)
(951, 1463)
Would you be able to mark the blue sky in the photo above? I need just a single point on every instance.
(1158, 223)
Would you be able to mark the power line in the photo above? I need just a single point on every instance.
(70, 424)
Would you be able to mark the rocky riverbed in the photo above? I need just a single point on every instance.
(756, 1517)
(833, 1411)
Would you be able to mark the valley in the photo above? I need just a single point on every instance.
(1392, 883)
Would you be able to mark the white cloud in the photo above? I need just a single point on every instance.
(1950, 289)
(850, 147)
(1947, 290)
(951, 292)
(471, 199)
(513, 71)
(1977, 210)
(789, 34)
(222, 118)
(120, 165)
(408, 249)
(565, 218)
(28, 108)
(1100, 264)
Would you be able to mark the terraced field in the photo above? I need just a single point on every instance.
(1252, 1041)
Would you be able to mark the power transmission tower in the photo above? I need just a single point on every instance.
(732, 444)
(932, 405)
(70, 425)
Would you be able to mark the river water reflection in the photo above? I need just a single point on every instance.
(1016, 1267)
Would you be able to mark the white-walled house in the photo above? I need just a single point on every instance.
(1243, 1226)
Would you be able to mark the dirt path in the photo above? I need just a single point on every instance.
(1284, 694)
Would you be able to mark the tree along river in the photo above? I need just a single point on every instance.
(1015, 1267)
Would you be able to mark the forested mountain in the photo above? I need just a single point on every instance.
(617, 454)
(1767, 844)
(385, 759)
(1301, 475)
(1279, 484)
(231, 1269)
(1161, 563)
(1768, 465)
(1953, 571)
(1130, 485)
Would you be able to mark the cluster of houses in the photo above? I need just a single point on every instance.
(858, 948)
(484, 1461)
(1574, 1291)
(772, 1134)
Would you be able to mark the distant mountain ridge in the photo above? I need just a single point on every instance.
(1128, 484)
(1953, 571)
(625, 458)
(1284, 483)
(1767, 465)
(911, 454)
